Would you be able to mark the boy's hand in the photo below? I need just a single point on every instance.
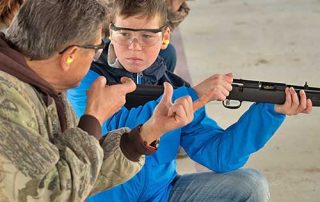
(293, 105)
(216, 87)
(104, 100)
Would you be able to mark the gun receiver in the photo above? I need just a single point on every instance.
(260, 91)
(142, 95)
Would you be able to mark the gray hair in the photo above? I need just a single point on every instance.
(44, 27)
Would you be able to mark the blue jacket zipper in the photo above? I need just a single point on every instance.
(139, 78)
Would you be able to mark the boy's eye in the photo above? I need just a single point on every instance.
(148, 35)
(124, 34)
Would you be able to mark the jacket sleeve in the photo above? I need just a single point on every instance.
(39, 166)
(116, 168)
(224, 150)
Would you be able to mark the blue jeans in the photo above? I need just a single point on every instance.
(240, 185)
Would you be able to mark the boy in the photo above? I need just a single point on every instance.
(138, 32)
(177, 10)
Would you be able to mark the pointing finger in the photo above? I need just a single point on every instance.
(202, 101)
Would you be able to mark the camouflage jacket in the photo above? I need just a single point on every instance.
(39, 162)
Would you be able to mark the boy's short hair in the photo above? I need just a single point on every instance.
(148, 8)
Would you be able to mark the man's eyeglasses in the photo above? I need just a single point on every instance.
(97, 48)
(146, 37)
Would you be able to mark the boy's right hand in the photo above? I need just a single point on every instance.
(104, 100)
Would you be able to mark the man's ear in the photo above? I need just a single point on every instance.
(166, 38)
(68, 57)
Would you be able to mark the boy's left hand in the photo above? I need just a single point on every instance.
(293, 105)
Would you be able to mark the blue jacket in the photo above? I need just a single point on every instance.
(205, 142)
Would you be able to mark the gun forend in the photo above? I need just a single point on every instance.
(260, 91)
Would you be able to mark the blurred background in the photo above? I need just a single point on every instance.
(266, 40)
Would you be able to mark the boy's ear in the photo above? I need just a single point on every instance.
(165, 38)
(68, 57)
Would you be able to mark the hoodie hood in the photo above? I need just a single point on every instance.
(13, 63)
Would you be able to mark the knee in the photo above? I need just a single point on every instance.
(255, 185)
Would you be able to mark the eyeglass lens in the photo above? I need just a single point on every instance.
(145, 38)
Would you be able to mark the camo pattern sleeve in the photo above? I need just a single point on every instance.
(113, 173)
(37, 161)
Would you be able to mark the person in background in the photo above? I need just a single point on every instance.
(46, 154)
(8, 9)
(137, 32)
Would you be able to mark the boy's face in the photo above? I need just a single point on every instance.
(137, 50)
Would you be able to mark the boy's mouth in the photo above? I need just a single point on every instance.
(134, 60)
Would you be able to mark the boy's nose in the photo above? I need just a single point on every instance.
(135, 44)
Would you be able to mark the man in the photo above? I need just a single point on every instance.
(45, 154)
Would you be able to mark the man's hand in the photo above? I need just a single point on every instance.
(216, 87)
(168, 116)
(104, 101)
(293, 105)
